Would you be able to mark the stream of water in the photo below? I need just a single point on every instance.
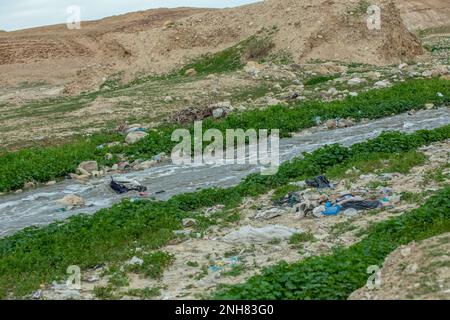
(39, 206)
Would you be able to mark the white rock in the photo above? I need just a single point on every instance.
(72, 201)
(147, 164)
(135, 136)
(218, 113)
(355, 81)
(427, 74)
(253, 68)
(87, 167)
(191, 72)
(382, 84)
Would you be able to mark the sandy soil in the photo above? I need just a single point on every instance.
(160, 40)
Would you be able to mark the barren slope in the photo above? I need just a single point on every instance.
(424, 14)
(160, 40)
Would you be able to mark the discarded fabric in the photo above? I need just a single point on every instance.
(121, 187)
(319, 182)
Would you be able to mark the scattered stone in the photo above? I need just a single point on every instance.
(373, 75)
(72, 201)
(429, 106)
(439, 71)
(353, 94)
(29, 185)
(355, 81)
(331, 124)
(135, 136)
(273, 101)
(332, 91)
(97, 174)
(168, 99)
(191, 72)
(218, 113)
(253, 68)
(427, 74)
(382, 84)
(147, 164)
(51, 183)
(87, 167)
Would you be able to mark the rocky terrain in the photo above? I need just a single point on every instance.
(205, 260)
(160, 40)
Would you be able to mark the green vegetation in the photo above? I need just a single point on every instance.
(298, 238)
(119, 279)
(412, 197)
(41, 255)
(341, 228)
(146, 293)
(154, 264)
(320, 79)
(337, 275)
(193, 264)
(378, 163)
(281, 192)
(236, 270)
(17, 168)
(104, 293)
(231, 59)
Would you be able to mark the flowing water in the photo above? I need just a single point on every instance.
(40, 206)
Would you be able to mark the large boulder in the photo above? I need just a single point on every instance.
(87, 167)
(72, 201)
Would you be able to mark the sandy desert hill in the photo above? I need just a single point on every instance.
(156, 41)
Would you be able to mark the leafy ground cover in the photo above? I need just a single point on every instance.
(45, 164)
(37, 256)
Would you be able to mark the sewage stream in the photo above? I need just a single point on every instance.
(39, 206)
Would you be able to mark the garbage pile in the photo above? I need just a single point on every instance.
(326, 201)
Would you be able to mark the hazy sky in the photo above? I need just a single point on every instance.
(21, 14)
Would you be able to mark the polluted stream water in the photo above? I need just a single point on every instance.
(40, 206)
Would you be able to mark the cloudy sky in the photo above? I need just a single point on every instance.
(21, 14)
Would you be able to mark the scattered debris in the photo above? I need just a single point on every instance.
(125, 185)
(319, 182)
(135, 261)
